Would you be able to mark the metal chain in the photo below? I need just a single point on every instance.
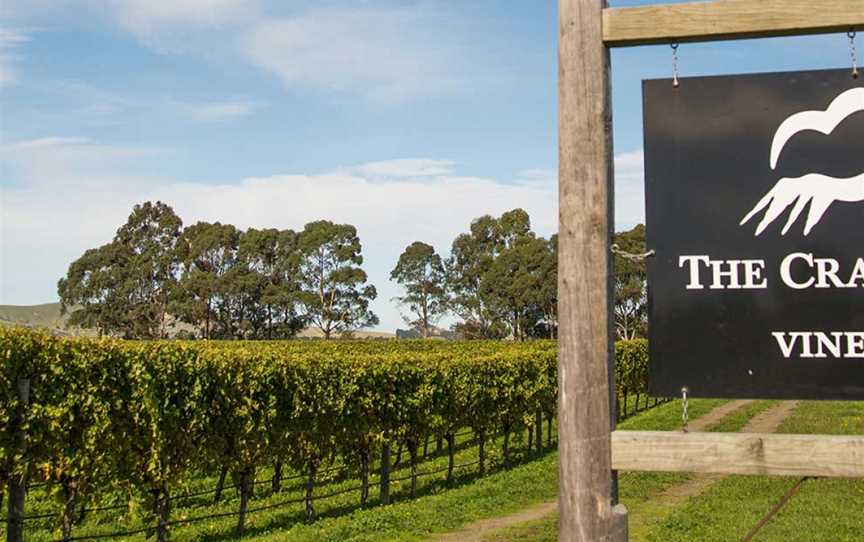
(615, 249)
(854, 53)
(685, 414)
(675, 82)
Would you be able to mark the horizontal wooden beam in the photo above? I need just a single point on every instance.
(739, 453)
(729, 19)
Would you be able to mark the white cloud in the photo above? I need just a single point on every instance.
(10, 39)
(383, 54)
(405, 168)
(629, 189)
(45, 223)
(218, 111)
(51, 160)
(50, 216)
(146, 14)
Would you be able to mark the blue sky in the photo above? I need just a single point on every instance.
(407, 119)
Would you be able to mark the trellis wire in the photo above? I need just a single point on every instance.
(295, 500)
(340, 468)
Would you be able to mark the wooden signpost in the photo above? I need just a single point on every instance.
(589, 448)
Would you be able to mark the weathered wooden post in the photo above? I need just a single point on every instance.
(585, 343)
(18, 481)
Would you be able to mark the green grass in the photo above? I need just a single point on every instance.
(667, 417)
(499, 494)
(823, 510)
(726, 512)
(541, 530)
(826, 417)
(737, 420)
(437, 509)
(637, 489)
(340, 516)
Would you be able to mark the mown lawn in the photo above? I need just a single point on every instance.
(823, 510)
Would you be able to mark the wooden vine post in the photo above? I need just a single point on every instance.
(587, 31)
(585, 337)
(18, 482)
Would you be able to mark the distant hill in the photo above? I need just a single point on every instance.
(48, 317)
(44, 316)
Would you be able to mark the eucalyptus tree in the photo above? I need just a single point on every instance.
(472, 258)
(272, 256)
(631, 297)
(124, 287)
(514, 282)
(208, 253)
(334, 295)
(420, 271)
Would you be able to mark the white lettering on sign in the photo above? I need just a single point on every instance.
(725, 274)
(798, 271)
(819, 344)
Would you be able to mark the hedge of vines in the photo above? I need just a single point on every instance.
(145, 416)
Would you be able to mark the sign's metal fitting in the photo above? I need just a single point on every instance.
(685, 414)
(853, 52)
(615, 249)
(674, 46)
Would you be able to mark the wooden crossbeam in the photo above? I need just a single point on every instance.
(739, 453)
(729, 19)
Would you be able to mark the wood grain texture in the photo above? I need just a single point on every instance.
(729, 19)
(584, 284)
(739, 453)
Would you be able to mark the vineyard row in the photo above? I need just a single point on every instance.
(96, 417)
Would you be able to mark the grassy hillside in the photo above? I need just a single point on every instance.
(44, 316)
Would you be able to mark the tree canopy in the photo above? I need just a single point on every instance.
(215, 281)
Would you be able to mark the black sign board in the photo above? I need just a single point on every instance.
(755, 208)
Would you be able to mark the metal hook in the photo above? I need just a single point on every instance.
(674, 46)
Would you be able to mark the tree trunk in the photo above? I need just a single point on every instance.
(70, 490)
(220, 485)
(310, 487)
(538, 421)
(385, 474)
(276, 484)
(245, 493)
(549, 430)
(481, 435)
(530, 439)
(450, 438)
(439, 444)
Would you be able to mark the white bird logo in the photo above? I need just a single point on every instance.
(818, 190)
